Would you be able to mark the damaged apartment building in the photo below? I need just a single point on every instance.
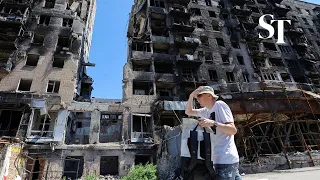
(47, 117)
(174, 46)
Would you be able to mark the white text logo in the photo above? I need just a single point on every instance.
(270, 28)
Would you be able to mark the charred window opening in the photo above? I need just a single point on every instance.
(200, 25)
(189, 74)
(73, 167)
(213, 75)
(311, 31)
(230, 76)
(220, 42)
(110, 128)
(285, 77)
(157, 3)
(204, 40)
(292, 63)
(141, 127)
(208, 3)
(35, 168)
(63, 41)
(25, 85)
(270, 46)
(225, 59)
(140, 46)
(166, 68)
(159, 27)
(44, 20)
(145, 67)
(143, 88)
(78, 128)
(245, 77)
(164, 90)
(9, 122)
(276, 62)
(269, 75)
(32, 60)
(215, 25)
(212, 14)
(305, 21)
(53, 86)
(240, 60)
(254, 9)
(259, 62)
(208, 57)
(58, 62)
(142, 159)
(43, 125)
(67, 22)
(196, 11)
(225, 16)
(38, 39)
(49, 3)
(109, 165)
(263, 33)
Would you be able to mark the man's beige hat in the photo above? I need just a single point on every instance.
(208, 90)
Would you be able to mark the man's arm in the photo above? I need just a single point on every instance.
(227, 128)
(189, 108)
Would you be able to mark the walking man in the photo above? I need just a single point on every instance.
(218, 116)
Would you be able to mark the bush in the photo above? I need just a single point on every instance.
(91, 177)
(142, 172)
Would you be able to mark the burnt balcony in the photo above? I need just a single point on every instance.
(14, 15)
(183, 26)
(161, 39)
(87, 80)
(259, 54)
(187, 42)
(165, 77)
(157, 10)
(141, 55)
(251, 36)
(163, 57)
(143, 75)
(180, 11)
(241, 11)
(188, 59)
(282, 10)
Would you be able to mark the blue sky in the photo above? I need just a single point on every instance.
(109, 47)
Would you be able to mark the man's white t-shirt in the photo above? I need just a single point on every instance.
(225, 150)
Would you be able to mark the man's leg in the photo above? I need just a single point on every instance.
(226, 171)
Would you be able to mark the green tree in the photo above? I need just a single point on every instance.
(142, 172)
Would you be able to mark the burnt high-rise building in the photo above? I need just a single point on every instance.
(174, 46)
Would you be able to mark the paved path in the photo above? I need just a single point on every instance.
(312, 173)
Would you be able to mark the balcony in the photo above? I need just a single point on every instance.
(180, 11)
(141, 55)
(251, 36)
(157, 10)
(161, 39)
(241, 11)
(249, 25)
(183, 26)
(87, 80)
(188, 59)
(186, 42)
(282, 10)
(165, 77)
(163, 57)
(143, 76)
